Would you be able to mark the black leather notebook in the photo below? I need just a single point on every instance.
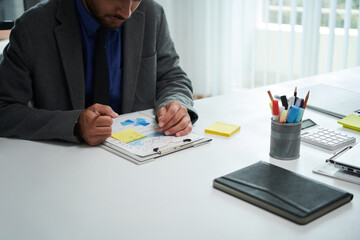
(285, 193)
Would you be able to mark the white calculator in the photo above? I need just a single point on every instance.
(323, 137)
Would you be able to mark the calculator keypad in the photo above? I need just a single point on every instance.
(326, 138)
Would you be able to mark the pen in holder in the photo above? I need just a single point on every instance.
(285, 140)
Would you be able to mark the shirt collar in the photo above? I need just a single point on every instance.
(87, 21)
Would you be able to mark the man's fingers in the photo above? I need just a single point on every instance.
(95, 123)
(184, 132)
(180, 130)
(160, 114)
(103, 121)
(103, 110)
(101, 128)
(174, 119)
(97, 131)
(178, 117)
(179, 126)
(166, 113)
(173, 122)
(97, 135)
(96, 140)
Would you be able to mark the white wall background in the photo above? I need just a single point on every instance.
(225, 45)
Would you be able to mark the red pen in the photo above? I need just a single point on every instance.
(275, 110)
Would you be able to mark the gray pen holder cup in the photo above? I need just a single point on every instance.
(285, 140)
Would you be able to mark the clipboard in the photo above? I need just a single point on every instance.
(153, 145)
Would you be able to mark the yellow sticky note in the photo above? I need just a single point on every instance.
(352, 121)
(222, 129)
(128, 135)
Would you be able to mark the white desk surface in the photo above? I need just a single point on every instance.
(52, 190)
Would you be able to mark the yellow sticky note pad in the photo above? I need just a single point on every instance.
(128, 135)
(352, 121)
(222, 129)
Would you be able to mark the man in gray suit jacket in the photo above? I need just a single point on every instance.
(42, 75)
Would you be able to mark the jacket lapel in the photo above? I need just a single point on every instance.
(69, 43)
(133, 34)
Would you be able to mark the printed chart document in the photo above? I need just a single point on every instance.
(135, 137)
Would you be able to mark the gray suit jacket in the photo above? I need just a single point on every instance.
(42, 89)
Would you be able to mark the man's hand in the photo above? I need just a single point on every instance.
(174, 119)
(94, 124)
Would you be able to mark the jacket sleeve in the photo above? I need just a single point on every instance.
(172, 82)
(18, 118)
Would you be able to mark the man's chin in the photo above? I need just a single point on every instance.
(110, 26)
(113, 23)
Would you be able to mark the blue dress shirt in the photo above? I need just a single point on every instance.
(89, 27)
